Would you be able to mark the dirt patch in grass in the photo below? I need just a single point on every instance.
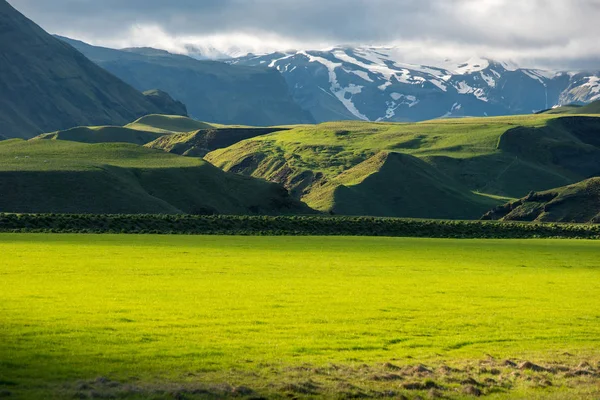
(386, 380)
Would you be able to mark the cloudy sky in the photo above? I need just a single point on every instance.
(552, 33)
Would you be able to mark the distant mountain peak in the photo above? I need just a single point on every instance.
(379, 83)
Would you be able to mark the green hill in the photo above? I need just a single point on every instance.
(163, 132)
(144, 130)
(592, 108)
(574, 203)
(55, 176)
(213, 91)
(397, 185)
(102, 134)
(167, 124)
(47, 85)
(201, 142)
(499, 158)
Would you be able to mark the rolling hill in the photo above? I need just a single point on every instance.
(592, 108)
(213, 91)
(203, 141)
(444, 168)
(171, 133)
(167, 124)
(142, 131)
(57, 176)
(102, 134)
(47, 85)
(574, 203)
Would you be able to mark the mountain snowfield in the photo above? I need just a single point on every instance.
(374, 84)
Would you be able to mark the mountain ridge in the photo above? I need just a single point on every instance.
(213, 91)
(48, 85)
(375, 84)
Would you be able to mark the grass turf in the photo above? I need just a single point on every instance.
(162, 312)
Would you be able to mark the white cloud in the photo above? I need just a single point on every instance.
(532, 31)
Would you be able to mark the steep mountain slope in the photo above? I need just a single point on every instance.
(375, 84)
(164, 102)
(58, 176)
(47, 85)
(575, 203)
(469, 163)
(213, 91)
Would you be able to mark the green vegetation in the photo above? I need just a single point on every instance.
(48, 85)
(102, 134)
(203, 317)
(42, 176)
(167, 124)
(463, 166)
(592, 108)
(167, 128)
(201, 142)
(289, 225)
(574, 203)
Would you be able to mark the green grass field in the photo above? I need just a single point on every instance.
(207, 317)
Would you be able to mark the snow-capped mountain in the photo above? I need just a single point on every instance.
(373, 83)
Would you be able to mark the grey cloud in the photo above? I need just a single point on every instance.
(503, 26)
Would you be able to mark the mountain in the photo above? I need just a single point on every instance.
(452, 168)
(213, 91)
(47, 85)
(375, 84)
(57, 176)
(574, 203)
(164, 102)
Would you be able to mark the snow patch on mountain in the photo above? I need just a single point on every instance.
(363, 74)
(488, 79)
(392, 106)
(344, 94)
(593, 84)
(463, 88)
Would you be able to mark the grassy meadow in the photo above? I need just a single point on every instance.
(206, 317)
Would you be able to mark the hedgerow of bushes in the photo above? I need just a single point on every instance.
(292, 225)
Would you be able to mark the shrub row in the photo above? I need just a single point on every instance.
(293, 225)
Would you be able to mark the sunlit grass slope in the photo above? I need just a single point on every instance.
(103, 134)
(500, 156)
(167, 124)
(165, 317)
(592, 108)
(574, 203)
(64, 176)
